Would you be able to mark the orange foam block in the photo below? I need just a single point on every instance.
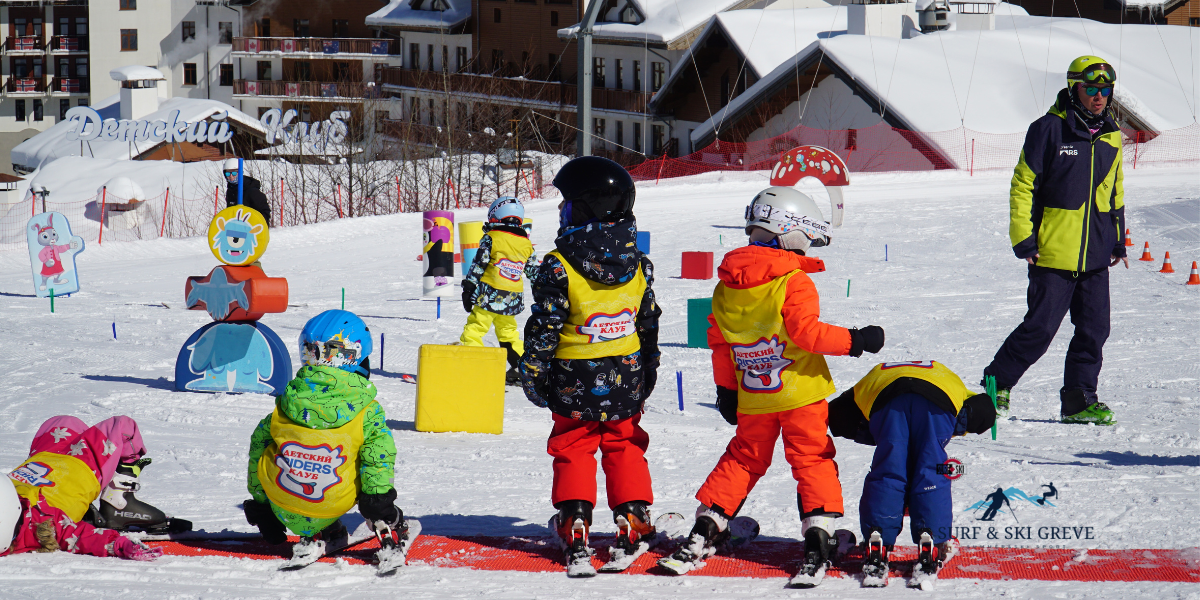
(261, 294)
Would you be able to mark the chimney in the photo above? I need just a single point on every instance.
(882, 18)
(139, 90)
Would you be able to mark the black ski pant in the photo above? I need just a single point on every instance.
(1052, 293)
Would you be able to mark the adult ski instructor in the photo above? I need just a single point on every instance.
(252, 195)
(1067, 220)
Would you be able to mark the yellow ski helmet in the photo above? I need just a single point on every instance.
(1091, 70)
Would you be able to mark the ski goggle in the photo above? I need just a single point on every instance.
(1092, 90)
(327, 351)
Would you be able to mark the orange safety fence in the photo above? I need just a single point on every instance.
(885, 148)
(762, 559)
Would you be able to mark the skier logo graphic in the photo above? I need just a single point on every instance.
(762, 364)
(510, 270)
(34, 473)
(308, 471)
(995, 502)
(602, 327)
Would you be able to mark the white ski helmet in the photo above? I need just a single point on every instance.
(230, 164)
(789, 214)
(10, 511)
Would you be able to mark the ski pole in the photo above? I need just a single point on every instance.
(990, 382)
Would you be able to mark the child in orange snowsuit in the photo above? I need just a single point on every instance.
(768, 346)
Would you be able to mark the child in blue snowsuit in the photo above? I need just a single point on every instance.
(908, 411)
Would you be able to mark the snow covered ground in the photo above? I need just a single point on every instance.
(950, 290)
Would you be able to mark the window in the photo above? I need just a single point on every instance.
(428, 57)
(630, 15)
(462, 58)
(303, 71)
(64, 26)
(496, 15)
(341, 71)
(37, 67)
(598, 129)
(189, 30)
(64, 67)
(637, 75)
(264, 27)
(414, 56)
(264, 70)
(597, 72)
(620, 135)
(128, 40)
(432, 115)
(497, 59)
(128, 4)
(554, 18)
(20, 68)
(637, 137)
(1194, 21)
(657, 74)
(414, 110)
(305, 112)
(555, 68)
(83, 102)
(300, 27)
(81, 27)
(620, 74)
(226, 74)
(63, 106)
(81, 67)
(225, 32)
(20, 110)
(445, 58)
(21, 27)
(658, 133)
(189, 73)
(37, 110)
(341, 28)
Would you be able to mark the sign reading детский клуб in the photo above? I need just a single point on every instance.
(1015, 517)
(88, 125)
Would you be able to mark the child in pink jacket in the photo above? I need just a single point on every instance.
(43, 501)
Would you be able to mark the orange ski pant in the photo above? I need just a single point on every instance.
(806, 446)
(622, 445)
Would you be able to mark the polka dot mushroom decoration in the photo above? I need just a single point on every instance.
(820, 163)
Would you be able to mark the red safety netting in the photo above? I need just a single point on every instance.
(885, 148)
(759, 560)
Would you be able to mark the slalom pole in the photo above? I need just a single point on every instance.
(241, 182)
(439, 308)
(847, 288)
(114, 330)
(343, 298)
(679, 388)
(51, 300)
(990, 383)
(103, 213)
(382, 346)
(163, 228)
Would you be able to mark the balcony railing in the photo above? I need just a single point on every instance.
(520, 89)
(25, 85)
(69, 85)
(258, 45)
(25, 43)
(74, 43)
(311, 89)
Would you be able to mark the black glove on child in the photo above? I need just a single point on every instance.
(869, 338)
(381, 507)
(468, 296)
(260, 516)
(727, 403)
(977, 415)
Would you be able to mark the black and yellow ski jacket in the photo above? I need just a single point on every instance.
(1066, 202)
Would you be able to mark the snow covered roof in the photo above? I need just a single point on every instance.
(767, 38)
(53, 143)
(660, 21)
(1000, 81)
(135, 73)
(401, 13)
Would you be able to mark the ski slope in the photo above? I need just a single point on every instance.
(949, 290)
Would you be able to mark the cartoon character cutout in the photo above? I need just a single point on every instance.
(762, 364)
(437, 252)
(239, 235)
(231, 357)
(53, 263)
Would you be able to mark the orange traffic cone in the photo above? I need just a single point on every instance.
(1195, 278)
(1128, 242)
(1167, 268)
(1146, 253)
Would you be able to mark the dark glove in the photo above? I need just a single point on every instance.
(727, 403)
(261, 516)
(869, 338)
(650, 382)
(977, 415)
(468, 296)
(537, 394)
(381, 507)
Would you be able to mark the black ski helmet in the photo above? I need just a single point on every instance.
(595, 187)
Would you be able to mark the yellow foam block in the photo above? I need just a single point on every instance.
(461, 388)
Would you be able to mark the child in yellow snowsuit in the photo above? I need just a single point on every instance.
(493, 286)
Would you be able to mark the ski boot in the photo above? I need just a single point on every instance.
(310, 549)
(635, 535)
(822, 548)
(121, 510)
(570, 526)
(930, 558)
(512, 377)
(875, 567)
(710, 531)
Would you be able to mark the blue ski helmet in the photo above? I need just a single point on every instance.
(335, 338)
(505, 207)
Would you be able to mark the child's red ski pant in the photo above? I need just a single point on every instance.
(622, 444)
(806, 446)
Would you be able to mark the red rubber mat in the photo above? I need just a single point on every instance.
(758, 560)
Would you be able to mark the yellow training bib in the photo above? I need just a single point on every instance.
(66, 482)
(603, 318)
(774, 374)
(510, 252)
(312, 472)
(927, 377)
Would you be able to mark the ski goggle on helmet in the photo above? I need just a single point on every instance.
(1096, 75)
(335, 338)
(791, 215)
